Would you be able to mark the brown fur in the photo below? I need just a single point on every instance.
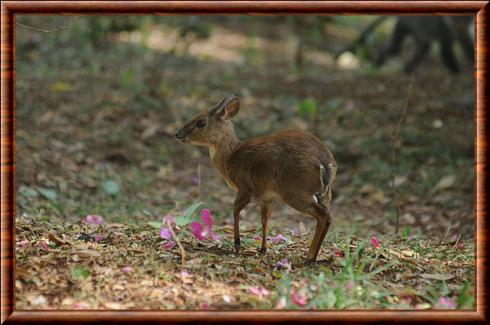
(284, 166)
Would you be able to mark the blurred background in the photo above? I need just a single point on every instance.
(97, 104)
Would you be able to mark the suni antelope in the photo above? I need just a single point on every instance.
(289, 166)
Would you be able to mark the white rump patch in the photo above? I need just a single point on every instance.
(315, 199)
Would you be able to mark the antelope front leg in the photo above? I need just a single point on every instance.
(241, 200)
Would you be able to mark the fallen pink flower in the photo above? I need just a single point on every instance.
(184, 273)
(298, 299)
(196, 229)
(93, 219)
(98, 238)
(374, 241)
(257, 238)
(284, 263)
(203, 231)
(169, 220)
(278, 239)
(259, 292)
(23, 243)
(447, 303)
(204, 306)
(459, 246)
(337, 253)
(168, 245)
(43, 245)
(165, 233)
(411, 237)
(127, 269)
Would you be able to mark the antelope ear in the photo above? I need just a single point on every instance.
(229, 107)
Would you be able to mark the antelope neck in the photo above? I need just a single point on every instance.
(221, 151)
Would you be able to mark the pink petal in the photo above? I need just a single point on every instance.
(374, 242)
(184, 273)
(98, 238)
(23, 243)
(169, 219)
(278, 239)
(43, 245)
(206, 218)
(283, 263)
(127, 269)
(168, 245)
(196, 229)
(213, 236)
(447, 303)
(165, 233)
(259, 292)
(298, 299)
(204, 306)
(256, 237)
(93, 219)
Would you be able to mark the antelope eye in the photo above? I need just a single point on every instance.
(201, 124)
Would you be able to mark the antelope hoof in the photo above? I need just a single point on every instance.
(309, 262)
(263, 250)
(237, 246)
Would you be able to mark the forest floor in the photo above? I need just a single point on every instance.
(94, 130)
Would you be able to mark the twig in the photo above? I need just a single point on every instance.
(457, 241)
(394, 138)
(181, 248)
(445, 235)
(57, 29)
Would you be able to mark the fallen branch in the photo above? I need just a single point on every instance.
(49, 30)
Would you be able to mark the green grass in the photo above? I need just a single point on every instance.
(351, 272)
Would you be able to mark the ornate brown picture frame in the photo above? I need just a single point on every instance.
(12, 8)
